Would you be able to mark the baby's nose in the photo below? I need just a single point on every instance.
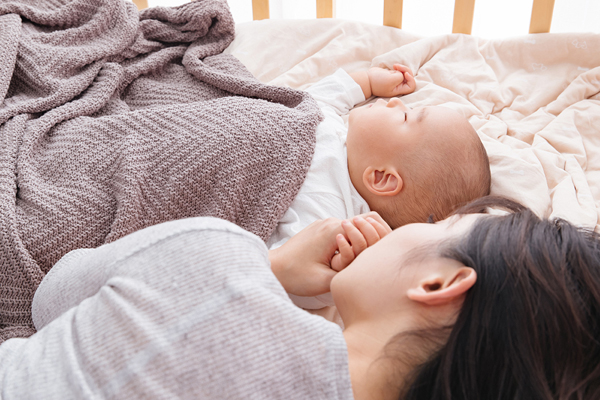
(396, 102)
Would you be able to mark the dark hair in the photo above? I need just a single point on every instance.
(530, 327)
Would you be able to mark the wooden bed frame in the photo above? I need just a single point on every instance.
(541, 13)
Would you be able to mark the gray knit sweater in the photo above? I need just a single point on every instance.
(184, 310)
(112, 121)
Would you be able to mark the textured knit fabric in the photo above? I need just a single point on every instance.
(327, 190)
(112, 121)
(187, 309)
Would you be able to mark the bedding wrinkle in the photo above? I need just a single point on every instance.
(511, 90)
(535, 113)
(530, 97)
(116, 120)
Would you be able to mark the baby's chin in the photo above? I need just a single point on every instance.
(351, 114)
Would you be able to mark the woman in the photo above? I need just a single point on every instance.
(473, 307)
(530, 326)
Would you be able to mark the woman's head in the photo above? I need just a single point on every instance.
(528, 326)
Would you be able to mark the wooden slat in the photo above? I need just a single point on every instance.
(325, 8)
(260, 9)
(541, 16)
(463, 16)
(392, 13)
(141, 4)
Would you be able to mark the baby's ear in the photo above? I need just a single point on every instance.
(383, 182)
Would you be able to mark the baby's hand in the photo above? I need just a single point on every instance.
(390, 83)
(363, 231)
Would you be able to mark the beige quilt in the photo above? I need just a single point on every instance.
(535, 99)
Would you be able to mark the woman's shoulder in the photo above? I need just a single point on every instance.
(195, 309)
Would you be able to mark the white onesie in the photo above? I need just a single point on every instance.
(327, 190)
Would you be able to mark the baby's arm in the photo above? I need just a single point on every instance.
(337, 93)
(307, 262)
(385, 82)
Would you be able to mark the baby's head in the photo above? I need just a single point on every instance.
(409, 164)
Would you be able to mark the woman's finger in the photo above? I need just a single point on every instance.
(367, 230)
(320, 282)
(345, 254)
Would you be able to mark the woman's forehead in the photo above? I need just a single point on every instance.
(442, 230)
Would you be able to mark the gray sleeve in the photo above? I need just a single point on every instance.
(188, 309)
(68, 283)
(83, 273)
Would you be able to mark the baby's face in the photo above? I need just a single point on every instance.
(381, 132)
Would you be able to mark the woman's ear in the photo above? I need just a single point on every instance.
(440, 288)
(386, 182)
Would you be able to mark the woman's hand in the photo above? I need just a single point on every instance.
(302, 263)
(307, 262)
(390, 83)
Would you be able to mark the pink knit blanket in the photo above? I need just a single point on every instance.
(114, 120)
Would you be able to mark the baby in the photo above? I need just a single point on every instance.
(409, 165)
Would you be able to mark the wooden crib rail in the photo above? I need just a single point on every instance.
(141, 4)
(541, 13)
(260, 9)
(325, 8)
(541, 16)
(392, 13)
(463, 16)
